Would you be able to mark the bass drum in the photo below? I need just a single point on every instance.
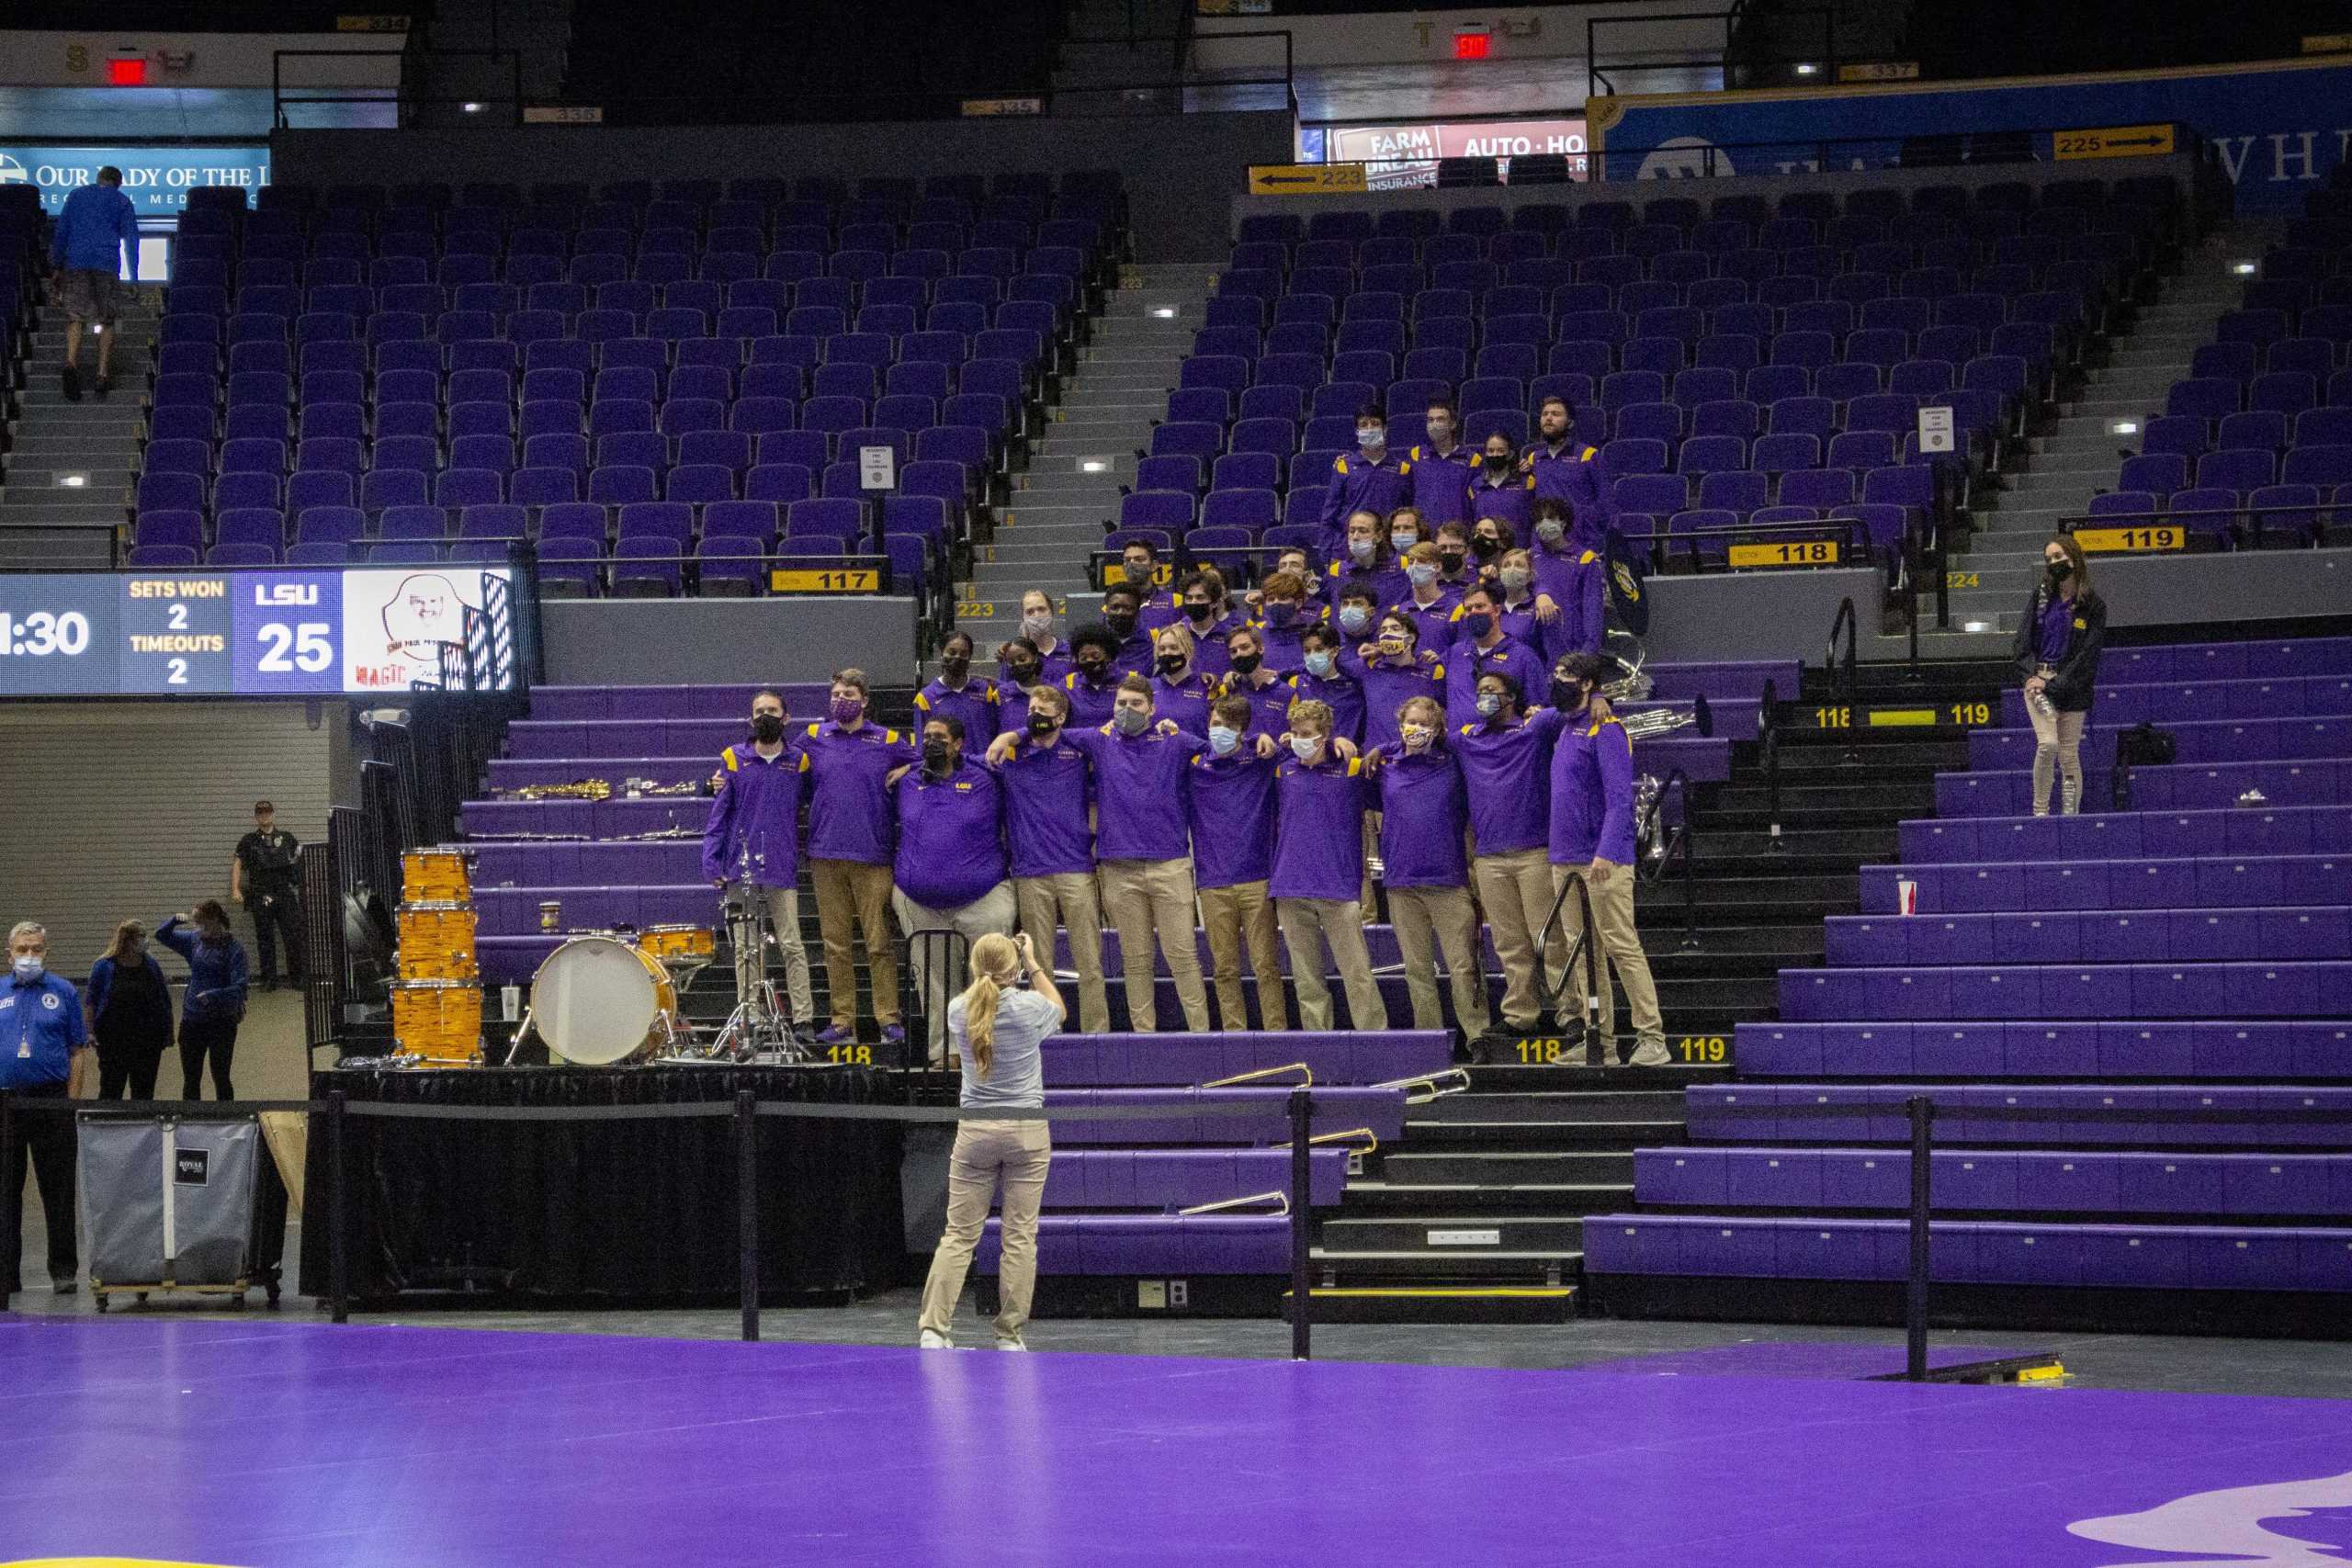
(598, 1000)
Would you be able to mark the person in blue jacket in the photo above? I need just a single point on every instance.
(215, 1006)
(85, 252)
(44, 1046)
(1592, 835)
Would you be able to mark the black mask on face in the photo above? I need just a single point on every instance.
(1499, 463)
(1201, 615)
(767, 728)
(1450, 560)
(1120, 622)
(1566, 695)
(935, 756)
(955, 666)
(1041, 725)
(1093, 669)
(1485, 546)
(2059, 571)
(1021, 674)
(1247, 663)
(1171, 663)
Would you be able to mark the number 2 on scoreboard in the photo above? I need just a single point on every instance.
(307, 642)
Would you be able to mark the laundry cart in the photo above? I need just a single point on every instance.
(174, 1203)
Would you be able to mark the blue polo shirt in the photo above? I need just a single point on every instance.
(849, 803)
(1231, 802)
(755, 817)
(1506, 768)
(951, 836)
(41, 1028)
(1048, 790)
(217, 971)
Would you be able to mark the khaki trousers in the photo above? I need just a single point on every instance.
(1417, 913)
(1145, 897)
(991, 911)
(751, 963)
(848, 893)
(1515, 887)
(1309, 925)
(1068, 899)
(1019, 1153)
(1620, 947)
(1234, 918)
(2057, 750)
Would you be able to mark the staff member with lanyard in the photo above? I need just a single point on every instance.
(997, 1030)
(2057, 652)
(43, 1047)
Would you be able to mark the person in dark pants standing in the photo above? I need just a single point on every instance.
(130, 1015)
(43, 1049)
(265, 877)
(216, 996)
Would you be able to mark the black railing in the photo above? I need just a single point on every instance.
(1844, 680)
(1680, 843)
(1768, 732)
(1587, 947)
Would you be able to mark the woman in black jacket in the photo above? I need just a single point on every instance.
(130, 1015)
(2057, 653)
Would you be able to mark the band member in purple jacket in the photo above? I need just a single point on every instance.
(1320, 799)
(1231, 802)
(1592, 833)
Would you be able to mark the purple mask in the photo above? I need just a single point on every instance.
(847, 709)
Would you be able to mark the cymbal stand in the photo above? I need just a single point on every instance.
(759, 1027)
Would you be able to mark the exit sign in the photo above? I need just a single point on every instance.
(1471, 45)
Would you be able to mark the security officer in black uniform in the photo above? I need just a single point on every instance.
(263, 877)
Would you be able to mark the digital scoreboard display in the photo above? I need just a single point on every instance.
(263, 634)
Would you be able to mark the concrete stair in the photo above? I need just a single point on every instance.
(1061, 505)
(2076, 457)
(74, 462)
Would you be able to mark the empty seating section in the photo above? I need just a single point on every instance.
(2136, 1025)
(2255, 446)
(652, 388)
(1744, 361)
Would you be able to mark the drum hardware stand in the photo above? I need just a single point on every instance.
(758, 1028)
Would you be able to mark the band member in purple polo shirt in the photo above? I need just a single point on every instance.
(950, 872)
(1231, 802)
(1250, 676)
(1506, 769)
(1320, 799)
(1423, 813)
(1180, 691)
(1593, 834)
(1049, 827)
(850, 841)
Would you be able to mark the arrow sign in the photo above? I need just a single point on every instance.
(1298, 179)
(2114, 141)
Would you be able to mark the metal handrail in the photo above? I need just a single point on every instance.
(1844, 682)
(1438, 1085)
(1683, 841)
(1279, 1199)
(1548, 989)
(1768, 730)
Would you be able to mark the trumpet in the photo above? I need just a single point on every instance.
(1651, 722)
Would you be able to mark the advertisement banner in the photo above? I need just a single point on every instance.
(1404, 156)
(2278, 127)
(157, 179)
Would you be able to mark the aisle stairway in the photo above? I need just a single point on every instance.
(52, 442)
(1058, 515)
(2076, 455)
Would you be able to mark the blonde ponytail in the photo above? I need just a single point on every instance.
(995, 962)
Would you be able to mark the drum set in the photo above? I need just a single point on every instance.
(601, 998)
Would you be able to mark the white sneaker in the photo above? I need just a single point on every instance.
(932, 1340)
(1015, 1343)
(1651, 1053)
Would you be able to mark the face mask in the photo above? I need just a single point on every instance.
(1247, 663)
(1318, 664)
(1485, 546)
(1036, 625)
(1450, 560)
(1041, 725)
(28, 967)
(1551, 530)
(1371, 437)
(1400, 542)
(1096, 671)
(1305, 746)
(767, 728)
(1200, 614)
(1478, 625)
(1280, 613)
(1497, 464)
(847, 709)
(2059, 571)
(1122, 624)
(1130, 721)
(1416, 736)
(1172, 664)
(1421, 574)
(1489, 703)
(1361, 550)
(1514, 578)
(1567, 696)
(1354, 618)
(1021, 674)
(935, 756)
(955, 667)
(1441, 432)
(1223, 740)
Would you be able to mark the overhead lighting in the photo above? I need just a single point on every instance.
(1976, 625)
(2243, 268)
(470, 108)
(2124, 427)
(1808, 68)
(1165, 312)
(1094, 466)
(74, 482)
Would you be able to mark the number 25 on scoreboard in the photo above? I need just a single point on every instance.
(303, 646)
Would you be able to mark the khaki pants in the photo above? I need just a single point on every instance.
(991, 911)
(2057, 750)
(1235, 918)
(1019, 1152)
(751, 963)
(1068, 899)
(851, 892)
(1309, 925)
(1417, 913)
(1620, 947)
(1145, 897)
(1516, 889)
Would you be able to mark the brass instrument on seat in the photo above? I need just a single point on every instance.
(1652, 722)
(1634, 685)
(580, 789)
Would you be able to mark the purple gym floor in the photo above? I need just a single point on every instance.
(294, 1445)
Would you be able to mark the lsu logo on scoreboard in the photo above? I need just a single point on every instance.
(286, 592)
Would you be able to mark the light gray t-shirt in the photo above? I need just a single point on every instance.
(1017, 1068)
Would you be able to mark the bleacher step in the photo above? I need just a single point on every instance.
(1546, 1265)
(1442, 1303)
(1448, 1235)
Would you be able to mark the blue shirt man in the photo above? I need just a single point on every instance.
(41, 1028)
(96, 224)
(41, 1036)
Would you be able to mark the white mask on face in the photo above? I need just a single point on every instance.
(1305, 746)
(27, 966)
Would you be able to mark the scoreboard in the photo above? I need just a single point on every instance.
(270, 633)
